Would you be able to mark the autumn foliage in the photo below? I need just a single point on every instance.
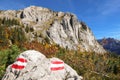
(91, 66)
(46, 49)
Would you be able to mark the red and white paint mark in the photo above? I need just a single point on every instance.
(19, 64)
(57, 65)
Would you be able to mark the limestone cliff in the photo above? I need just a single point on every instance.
(61, 28)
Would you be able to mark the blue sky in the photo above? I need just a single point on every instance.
(102, 16)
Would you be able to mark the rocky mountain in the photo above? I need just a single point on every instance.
(64, 29)
(38, 67)
(110, 44)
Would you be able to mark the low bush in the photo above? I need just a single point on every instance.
(91, 66)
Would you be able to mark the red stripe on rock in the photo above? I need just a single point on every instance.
(15, 66)
(22, 60)
(57, 68)
(57, 62)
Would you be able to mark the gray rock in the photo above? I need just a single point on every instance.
(61, 28)
(38, 68)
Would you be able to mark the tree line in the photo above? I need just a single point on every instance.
(11, 35)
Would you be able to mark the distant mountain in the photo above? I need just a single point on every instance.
(44, 25)
(110, 44)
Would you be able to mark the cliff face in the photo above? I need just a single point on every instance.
(61, 28)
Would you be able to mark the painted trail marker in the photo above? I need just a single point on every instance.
(19, 64)
(57, 65)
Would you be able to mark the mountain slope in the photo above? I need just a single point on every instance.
(111, 44)
(44, 25)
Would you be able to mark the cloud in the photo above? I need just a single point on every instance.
(109, 7)
(118, 25)
(113, 33)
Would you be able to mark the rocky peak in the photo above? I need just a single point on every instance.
(35, 14)
(61, 28)
(110, 44)
(37, 8)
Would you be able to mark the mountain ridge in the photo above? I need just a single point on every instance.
(110, 44)
(61, 28)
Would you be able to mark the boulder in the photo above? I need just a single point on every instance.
(33, 65)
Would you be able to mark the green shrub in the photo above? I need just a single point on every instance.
(7, 57)
(91, 66)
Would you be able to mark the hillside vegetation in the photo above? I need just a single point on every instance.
(91, 66)
(11, 32)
